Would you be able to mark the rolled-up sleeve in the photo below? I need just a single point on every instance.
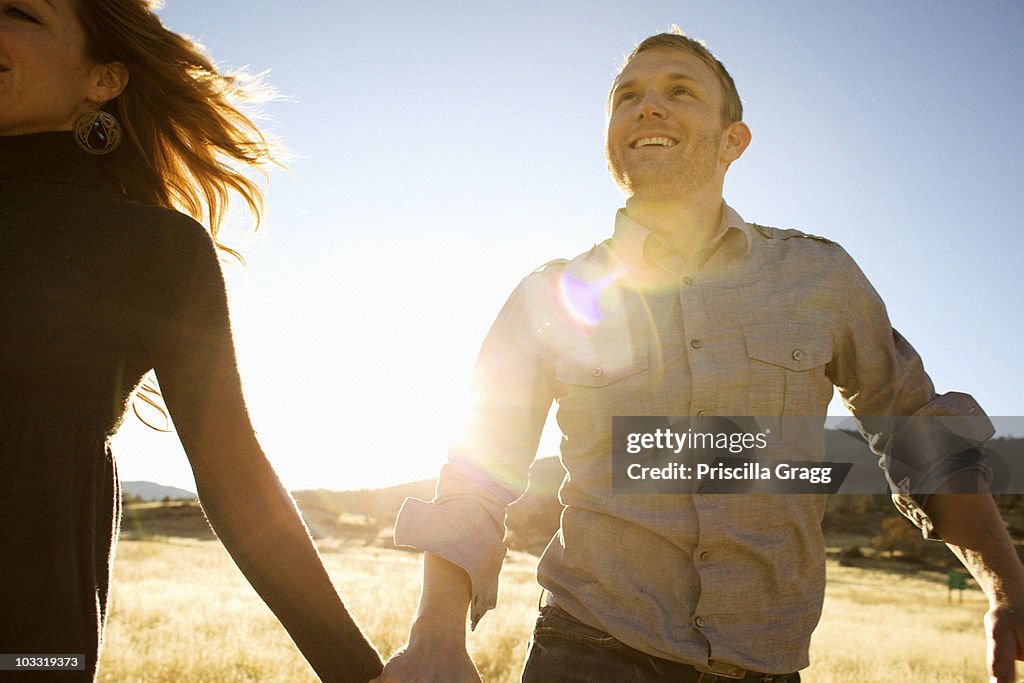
(488, 466)
(922, 439)
(944, 438)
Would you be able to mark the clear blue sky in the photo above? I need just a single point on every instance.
(444, 150)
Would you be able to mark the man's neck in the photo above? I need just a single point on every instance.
(686, 225)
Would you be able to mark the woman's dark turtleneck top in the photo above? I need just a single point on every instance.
(95, 290)
(93, 287)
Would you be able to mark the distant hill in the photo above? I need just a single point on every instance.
(149, 491)
(380, 505)
(367, 516)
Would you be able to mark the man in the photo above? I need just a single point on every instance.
(688, 310)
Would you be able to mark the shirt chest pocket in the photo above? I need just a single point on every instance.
(786, 363)
(603, 379)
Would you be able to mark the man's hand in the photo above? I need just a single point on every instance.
(430, 662)
(1004, 629)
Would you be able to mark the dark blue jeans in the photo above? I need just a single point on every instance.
(565, 650)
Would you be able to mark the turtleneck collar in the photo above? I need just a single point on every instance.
(49, 158)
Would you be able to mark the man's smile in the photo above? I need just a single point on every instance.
(659, 141)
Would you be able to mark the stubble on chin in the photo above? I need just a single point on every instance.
(663, 181)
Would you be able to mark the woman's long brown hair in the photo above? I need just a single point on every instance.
(185, 138)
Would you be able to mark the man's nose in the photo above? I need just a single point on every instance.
(651, 106)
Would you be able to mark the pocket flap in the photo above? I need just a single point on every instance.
(794, 346)
(597, 370)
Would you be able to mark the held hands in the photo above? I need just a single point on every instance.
(430, 660)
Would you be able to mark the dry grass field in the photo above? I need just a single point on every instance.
(182, 612)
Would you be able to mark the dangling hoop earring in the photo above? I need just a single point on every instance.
(97, 132)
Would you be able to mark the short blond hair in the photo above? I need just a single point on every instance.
(732, 107)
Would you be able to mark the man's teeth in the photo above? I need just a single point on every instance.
(658, 142)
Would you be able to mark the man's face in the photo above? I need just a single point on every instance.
(665, 130)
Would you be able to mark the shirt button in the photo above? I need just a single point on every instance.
(699, 622)
(688, 280)
(702, 415)
(703, 490)
(696, 343)
(597, 372)
(798, 354)
(705, 556)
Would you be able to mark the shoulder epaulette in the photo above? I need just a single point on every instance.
(780, 234)
(551, 264)
(564, 261)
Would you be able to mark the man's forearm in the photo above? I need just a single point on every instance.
(444, 601)
(436, 651)
(972, 527)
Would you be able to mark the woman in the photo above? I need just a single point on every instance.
(107, 121)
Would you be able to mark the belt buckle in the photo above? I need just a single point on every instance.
(721, 669)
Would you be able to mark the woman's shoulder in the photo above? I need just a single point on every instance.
(171, 258)
(161, 231)
(154, 221)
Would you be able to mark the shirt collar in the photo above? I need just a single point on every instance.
(634, 242)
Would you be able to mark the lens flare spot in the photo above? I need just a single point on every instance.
(581, 300)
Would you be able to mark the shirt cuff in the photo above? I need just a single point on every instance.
(942, 439)
(912, 505)
(916, 455)
(460, 531)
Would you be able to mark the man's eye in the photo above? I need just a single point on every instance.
(627, 97)
(680, 92)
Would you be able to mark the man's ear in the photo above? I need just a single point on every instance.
(108, 81)
(735, 140)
